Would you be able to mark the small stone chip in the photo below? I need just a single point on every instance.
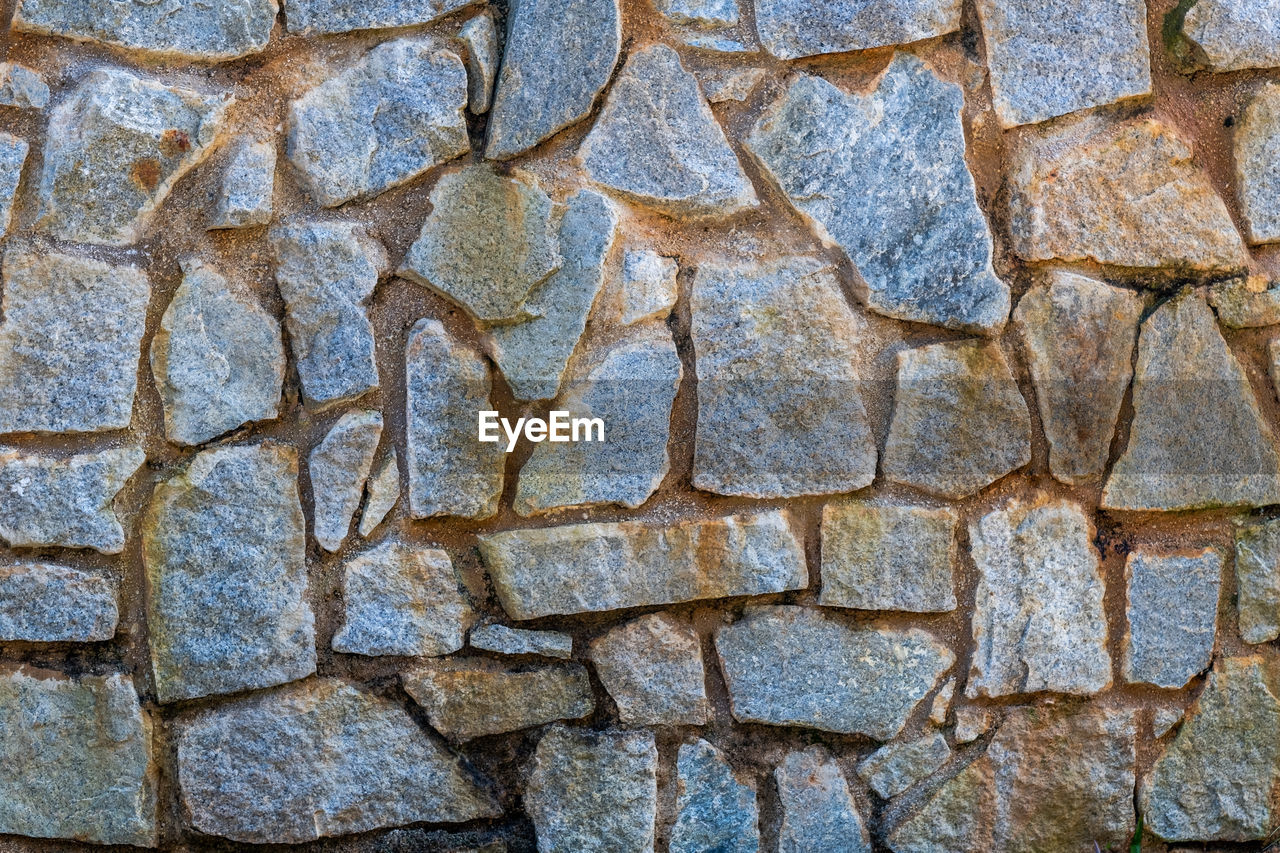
(21, 87)
(1258, 580)
(339, 466)
(648, 285)
(652, 667)
(791, 29)
(1246, 302)
(326, 17)
(480, 38)
(714, 810)
(383, 490)
(1172, 613)
(45, 603)
(700, 14)
(734, 84)
(245, 197)
(894, 768)
(521, 641)
(13, 154)
(818, 813)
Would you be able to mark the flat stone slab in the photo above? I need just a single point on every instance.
(791, 29)
(585, 568)
(13, 154)
(896, 767)
(1257, 568)
(339, 466)
(506, 640)
(1257, 148)
(819, 814)
(1172, 613)
(325, 17)
(652, 667)
(46, 603)
(1232, 35)
(22, 87)
(714, 809)
(883, 177)
(248, 185)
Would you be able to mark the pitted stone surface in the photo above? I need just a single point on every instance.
(894, 768)
(1172, 614)
(648, 285)
(1257, 570)
(324, 17)
(382, 494)
(22, 87)
(700, 14)
(733, 85)
(248, 184)
(791, 29)
(1257, 148)
(818, 813)
(339, 466)
(1246, 302)
(521, 641)
(13, 154)
(479, 37)
(46, 603)
(714, 810)
(652, 667)
(1234, 34)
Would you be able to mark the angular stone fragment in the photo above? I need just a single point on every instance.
(1232, 35)
(13, 153)
(714, 811)
(65, 501)
(942, 702)
(630, 386)
(657, 143)
(1172, 614)
(245, 197)
(648, 285)
(959, 420)
(317, 759)
(327, 272)
(883, 177)
(75, 759)
(116, 145)
(21, 87)
(1164, 719)
(488, 240)
(780, 410)
(652, 667)
(470, 698)
(971, 723)
(1078, 335)
(1246, 302)
(1257, 147)
(700, 14)
(1220, 778)
(894, 768)
(734, 84)
(1258, 581)
(888, 557)
(791, 29)
(959, 817)
(381, 121)
(383, 490)
(339, 466)
(1198, 439)
(797, 666)
(324, 17)
(401, 599)
(592, 792)
(450, 473)
(534, 99)
(584, 568)
(521, 641)
(480, 38)
(1125, 194)
(45, 603)
(217, 358)
(225, 555)
(818, 813)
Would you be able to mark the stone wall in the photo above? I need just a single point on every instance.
(934, 347)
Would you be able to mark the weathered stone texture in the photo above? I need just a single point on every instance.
(1257, 568)
(22, 87)
(1172, 613)
(45, 603)
(735, 84)
(13, 154)
(714, 810)
(648, 285)
(521, 641)
(339, 466)
(479, 38)
(323, 17)
(1257, 147)
(652, 667)
(246, 194)
(894, 768)
(1234, 34)
(1246, 302)
(383, 493)
(791, 29)
(818, 813)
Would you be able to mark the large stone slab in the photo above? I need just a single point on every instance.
(1198, 438)
(46, 603)
(1232, 35)
(652, 667)
(798, 666)
(791, 29)
(317, 759)
(1172, 611)
(1257, 148)
(1258, 581)
(339, 466)
(324, 17)
(657, 143)
(585, 568)
(225, 555)
(248, 186)
(818, 813)
(385, 119)
(882, 176)
(714, 809)
(13, 154)
(75, 759)
(780, 410)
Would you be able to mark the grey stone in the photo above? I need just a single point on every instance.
(470, 698)
(327, 272)
(972, 723)
(648, 286)
(959, 421)
(316, 759)
(383, 493)
(737, 46)
(245, 197)
(894, 768)
(217, 358)
(798, 666)
(1246, 302)
(225, 554)
(1232, 35)
(1220, 777)
(44, 603)
(1257, 147)
(942, 702)
(480, 38)
(1172, 612)
(1045, 64)
(488, 240)
(521, 641)
(1164, 719)
(1258, 581)
(818, 813)
(1078, 335)
(652, 667)
(956, 818)
(895, 557)
(1198, 439)
(13, 153)
(339, 466)
(450, 473)
(115, 147)
(791, 29)
(401, 599)
(714, 810)
(730, 84)
(700, 14)
(585, 568)
(69, 343)
(22, 87)
(381, 121)
(535, 99)
(593, 792)
(1038, 621)
(62, 500)
(75, 759)
(630, 386)
(657, 143)
(324, 17)
(780, 410)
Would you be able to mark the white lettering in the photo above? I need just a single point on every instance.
(588, 424)
(535, 430)
(513, 435)
(557, 427)
(488, 428)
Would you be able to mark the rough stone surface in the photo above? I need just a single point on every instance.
(223, 544)
(323, 17)
(972, 723)
(339, 466)
(959, 421)
(648, 285)
(1257, 568)
(521, 641)
(383, 493)
(791, 29)
(534, 99)
(722, 85)
(1164, 719)
(1125, 194)
(1078, 335)
(883, 177)
(1246, 302)
(46, 603)
(889, 557)
(317, 759)
(584, 568)
(1198, 439)
(657, 143)
(1172, 613)
(1234, 34)
(401, 599)
(61, 500)
(780, 410)
(381, 121)
(593, 791)
(13, 154)
(450, 473)
(1257, 147)
(479, 37)
(248, 184)
(75, 759)
(652, 667)
(22, 87)
(1038, 621)
(894, 768)
(700, 14)
(714, 810)
(217, 358)
(818, 813)
(798, 666)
